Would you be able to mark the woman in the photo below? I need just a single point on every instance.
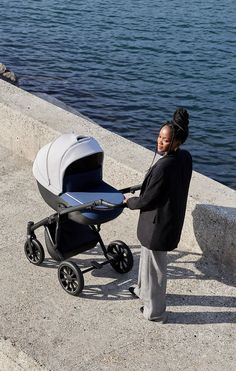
(162, 204)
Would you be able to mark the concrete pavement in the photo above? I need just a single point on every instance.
(43, 328)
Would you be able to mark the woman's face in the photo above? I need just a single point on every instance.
(164, 140)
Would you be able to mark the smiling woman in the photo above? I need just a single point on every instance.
(173, 133)
(162, 204)
(164, 140)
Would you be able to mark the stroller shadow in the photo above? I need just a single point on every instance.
(117, 287)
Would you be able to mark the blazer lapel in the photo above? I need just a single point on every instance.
(148, 175)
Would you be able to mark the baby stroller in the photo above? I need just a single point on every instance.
(69, 177)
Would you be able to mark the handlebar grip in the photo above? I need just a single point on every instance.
(131, 189)
(91, 206)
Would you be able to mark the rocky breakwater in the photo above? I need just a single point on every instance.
(7, 75)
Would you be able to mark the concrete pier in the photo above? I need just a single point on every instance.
(43, 328)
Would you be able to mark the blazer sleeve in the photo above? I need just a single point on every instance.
(152, 195)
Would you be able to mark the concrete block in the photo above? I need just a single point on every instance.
(215, 231)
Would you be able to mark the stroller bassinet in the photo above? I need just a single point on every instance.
(69, 176)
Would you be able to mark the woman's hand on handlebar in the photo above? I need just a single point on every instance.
(125, 200)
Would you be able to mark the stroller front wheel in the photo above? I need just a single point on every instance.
(122, 256)
(71, 278)
(34, 253)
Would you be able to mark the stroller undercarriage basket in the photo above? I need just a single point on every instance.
(69, 177)
(59, 243)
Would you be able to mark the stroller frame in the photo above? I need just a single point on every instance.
(70, 276)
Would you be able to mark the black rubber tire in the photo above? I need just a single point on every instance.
(123, 257)
(71, 278)
(37, 256)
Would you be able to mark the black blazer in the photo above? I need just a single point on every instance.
(162, 201)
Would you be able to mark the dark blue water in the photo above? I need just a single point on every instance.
(129, 64)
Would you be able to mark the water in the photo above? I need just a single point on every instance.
(129, 64)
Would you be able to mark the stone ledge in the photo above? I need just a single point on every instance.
(28, 122)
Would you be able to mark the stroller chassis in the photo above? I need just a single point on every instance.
(70, 276)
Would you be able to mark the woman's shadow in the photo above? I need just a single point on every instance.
(207, 272)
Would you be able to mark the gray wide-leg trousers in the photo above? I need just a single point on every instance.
(151, 286)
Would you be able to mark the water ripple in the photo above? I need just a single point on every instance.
(128, 64)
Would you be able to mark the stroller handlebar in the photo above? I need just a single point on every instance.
(91, 206)
(131, 189)
(109, 205)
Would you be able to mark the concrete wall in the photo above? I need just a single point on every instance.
(28, 122)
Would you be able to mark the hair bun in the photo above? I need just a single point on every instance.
(181, 117)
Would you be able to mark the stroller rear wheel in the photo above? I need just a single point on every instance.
(71, 278)
(122, 256)
(34, 253)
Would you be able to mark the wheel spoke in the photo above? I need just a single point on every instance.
(124, 263)
(70, 286)
(64, 270)
(74, 285)
(62, 275)
(68, 270)
(116, 249)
